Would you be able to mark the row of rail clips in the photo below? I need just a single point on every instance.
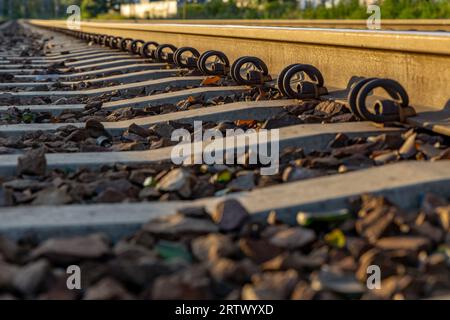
(296, 81)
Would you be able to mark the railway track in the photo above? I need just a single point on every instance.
(435, 25)
(387, 24)
(87, 161)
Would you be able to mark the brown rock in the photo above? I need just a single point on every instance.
(213, 246)
(140, 131)
(95, 128)
(409, 243)
(444, 155)
(291, 174)
(7, 274)
(149, 192)
(431, 202)
(132, 137)
(137, 270)
(444, 217)
(93, 105)
(107, 289)
(190, 284)
(229, 215)
(119, 184)
(389, 287)
(259, 250)
(390, 141)
(66, 250)
(329, 107)
(357, 160)
(338, 282)
(176, 180)
(124, 249)
(281, 121)
(293, 238)
(139, 176)
(325, 163)
(303, 291)
(386, 157)
(33, 162)
(52, 196)
(339, 141)
(163, 130)
(8, 249)
(360, 148)
(375, 257)
(110, 195)
(58, 289)
(227, 270)
(270, 286)
(78, 135)
(30, 278)
(296, 261)
(408, 149)
(375, 225)
(130, 146)
(345, 117)
(376, 218)
(356, 246)
(429, 231)
(4, 195)
(429, 150)
(22, 184)
(244, 181)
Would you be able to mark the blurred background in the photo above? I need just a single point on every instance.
(226, 9)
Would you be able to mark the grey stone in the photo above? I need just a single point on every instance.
(64, 250)
(293, 238)
(32, 163)
(176, 180)
(229, 215)
(30, 278)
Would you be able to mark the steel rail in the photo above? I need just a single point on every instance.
(386, 24)
(417, 60)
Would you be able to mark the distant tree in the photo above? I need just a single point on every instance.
(278, 9)
(92, 8)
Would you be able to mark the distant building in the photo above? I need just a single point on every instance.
(303, 4)
(368, 2)
(147, 9)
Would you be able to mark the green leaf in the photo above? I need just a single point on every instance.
(223, 176)
(335, 238)
(28, 117)
(149, 182)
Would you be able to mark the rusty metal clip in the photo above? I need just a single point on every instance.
(213, 62)
(249, 71)
(384, 110)
(186, 57)
(293, 84)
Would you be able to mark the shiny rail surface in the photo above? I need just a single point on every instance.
(387, 24)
